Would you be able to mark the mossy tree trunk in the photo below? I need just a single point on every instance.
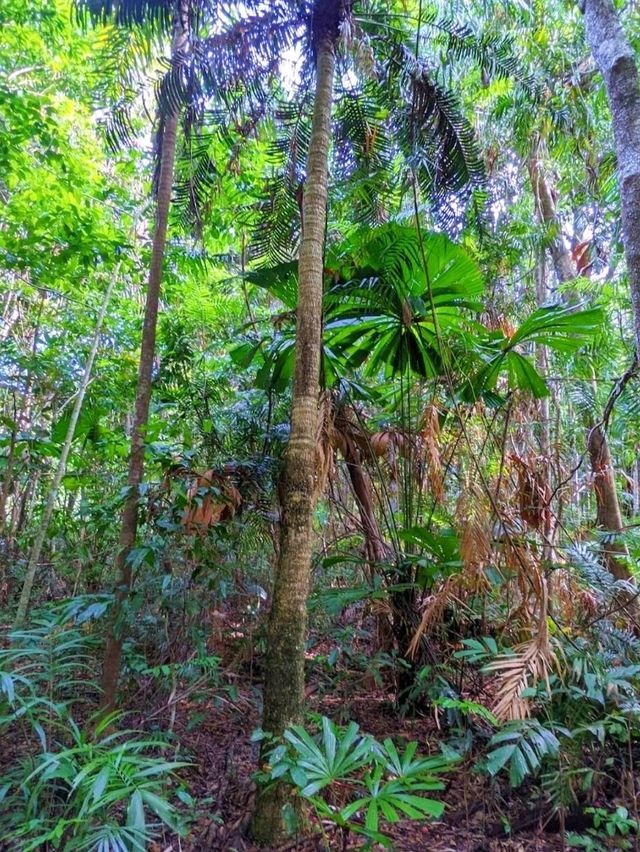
(284, 669)
(616, 61)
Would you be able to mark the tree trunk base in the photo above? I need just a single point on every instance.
(277, 817)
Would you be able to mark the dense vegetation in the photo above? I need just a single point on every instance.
(319, 425)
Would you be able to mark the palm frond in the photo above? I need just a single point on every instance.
(154, 14)
(496, 55)
(277, 231)
(593, 573)
(530, 663)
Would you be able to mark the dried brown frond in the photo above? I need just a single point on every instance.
(325, 436)
(473, 520)
(211, 499)
(516, 554)
(533, 491)
(531, 662)
(565, 593)
(433, 610)
(380, 444)
(380, 607)
(430, 434)
(496, 321)
(587, 603)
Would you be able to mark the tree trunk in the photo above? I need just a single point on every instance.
(616, 60)
(8, 473)
(607, 503)
(36, 550)
(609, 516)
(129, 519)
(284, 670)
(546, 212)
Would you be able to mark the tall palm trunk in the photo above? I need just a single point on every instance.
(616, 60)
(129, 519)
(284, 672)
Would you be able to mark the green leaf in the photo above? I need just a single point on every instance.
(561, 327)
(135, 814)
(499, 757)
(371, 817)
(518, 769)
(299, 776)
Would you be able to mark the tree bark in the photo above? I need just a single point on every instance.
(546, 212)
(8, 473)
(609, 516)
(36, 550)
(607, 502)
(284, 671)
(616, 60)
(129, 518)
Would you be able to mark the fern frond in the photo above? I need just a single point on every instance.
(623, 644)
(593, 573)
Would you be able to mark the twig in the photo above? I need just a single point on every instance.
(619, 386)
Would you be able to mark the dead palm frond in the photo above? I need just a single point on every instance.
(429, 433)
(212, 498)
(433, 610)
(534, 494)
(325, 442)
(473, 520)
(530, 663)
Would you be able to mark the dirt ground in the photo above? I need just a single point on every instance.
(225, 758)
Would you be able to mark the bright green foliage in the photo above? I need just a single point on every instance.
(610, 826)
(375, 782)
(461, 381)
(521, 747)
(563, 329)
(73, 797)
(74, 786)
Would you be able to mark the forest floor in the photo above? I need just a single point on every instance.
(225, 758)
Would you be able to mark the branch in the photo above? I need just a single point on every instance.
(618, 388)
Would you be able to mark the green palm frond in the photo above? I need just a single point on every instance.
(196, 175)
(563, 328)
(227, 70)
(496, 55)
(380, 311)
(277, 233)
(438, 139)
(153, 14)
(277, 219)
